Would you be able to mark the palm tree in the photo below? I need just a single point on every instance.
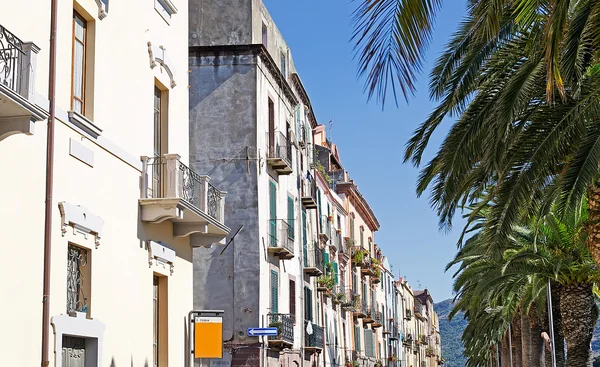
(391, 37)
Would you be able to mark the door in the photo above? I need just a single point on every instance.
(273, 214)
(271, 128)
(73, 352)
(157, 144)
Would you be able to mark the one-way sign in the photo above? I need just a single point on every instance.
(262, 331)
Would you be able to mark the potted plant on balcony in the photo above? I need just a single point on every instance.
(393, 359)
(276, 324)
(325, 283)
(350, 363)
(378, 363)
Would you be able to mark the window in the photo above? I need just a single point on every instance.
(293, 300)
(308, 305)
(274, 292)
(304, 239)
(283, 65)
(159, 321)
(369, 347)
(271, 106)
(362, 236)
(357, 338)
(79, 63)
(352, 228)
(265, 35)
(291, 227)
(78, 279)
(157, 122)
(273, 214)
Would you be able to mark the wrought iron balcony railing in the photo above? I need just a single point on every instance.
(313, 260)
(315, 339)
(17, 63)
(279, 148)
(281, 236)
(168, 177)
(285, 327)
(309, 194)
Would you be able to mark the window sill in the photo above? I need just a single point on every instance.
(84, 124)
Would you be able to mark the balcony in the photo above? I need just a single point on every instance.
(279, 153)
(19, 111)
(313, 261)
(336, 240)
(353, 304)
(369, 314)
(407, 340)
(281, 239)
(309, 194)
(377, 320)
(394, 332)
(313, 342)
(325, 228)
(408, 315)
(285, 330)
(172, 191)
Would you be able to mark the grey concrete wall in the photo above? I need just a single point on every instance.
(220, 22)
(222, 133)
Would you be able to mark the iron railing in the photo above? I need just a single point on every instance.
(309, 189)
(365, 308)
(284, 324)
(171, 178)
(76, 295)
(315, 339)
(281, 234)
(280, 147)
(313, 257)
(11, 60)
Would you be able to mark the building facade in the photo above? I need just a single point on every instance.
(125, 208)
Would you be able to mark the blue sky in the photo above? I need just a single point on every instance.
(370, 140)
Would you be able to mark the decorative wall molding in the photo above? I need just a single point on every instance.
(160, 254)
(82, 221)
(158, 55)
(102, 8)
(84, 124)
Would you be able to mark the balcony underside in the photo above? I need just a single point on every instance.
(280, 165)
(367, 271)
(17, 115)
(187, 220)
(309, 202)
(387, 332)
(359, 314)
(280, 344)
(312, 271)
(313, 349)
(281, 252)
(376, 324)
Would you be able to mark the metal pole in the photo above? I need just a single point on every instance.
(510, 345)
(551, 326)
(498, 355)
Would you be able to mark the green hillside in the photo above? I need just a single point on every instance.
(451, 331)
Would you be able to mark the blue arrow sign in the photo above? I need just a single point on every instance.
(262, 331)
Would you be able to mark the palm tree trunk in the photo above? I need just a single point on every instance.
(578, 319)
(559, 336)
(537, 344)
(526, 340)
(593, 239)
(516, 342)
(505, 355)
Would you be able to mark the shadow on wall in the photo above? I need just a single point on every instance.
(113, 364)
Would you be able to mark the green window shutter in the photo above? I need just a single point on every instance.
(357, 338)
(319, 210)
(274, 292)
(326, 330)
(304, 239)
(272, 213)
(291, 229)
(308, 303)
(335, 272)
(325, 259)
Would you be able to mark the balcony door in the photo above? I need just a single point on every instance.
(159, 141)
(273, 214)
(271, 127)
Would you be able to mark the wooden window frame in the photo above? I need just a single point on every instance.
(84, 69)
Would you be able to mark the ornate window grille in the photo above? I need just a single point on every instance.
(76, 263)
(11, 53)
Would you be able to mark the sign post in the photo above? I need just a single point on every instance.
(205, 335)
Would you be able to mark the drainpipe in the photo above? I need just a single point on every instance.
(49, 186)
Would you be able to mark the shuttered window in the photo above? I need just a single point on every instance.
(319, 210)
(293, 300)
(369, 347)
(357, 338)
(326, 330)
(352, 228)
(335, 272)
(290, 207)
(325, 259)
(273, 213)
(304, 239)
(274, 292)
(308, 310)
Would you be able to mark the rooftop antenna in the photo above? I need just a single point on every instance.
(330, 126)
